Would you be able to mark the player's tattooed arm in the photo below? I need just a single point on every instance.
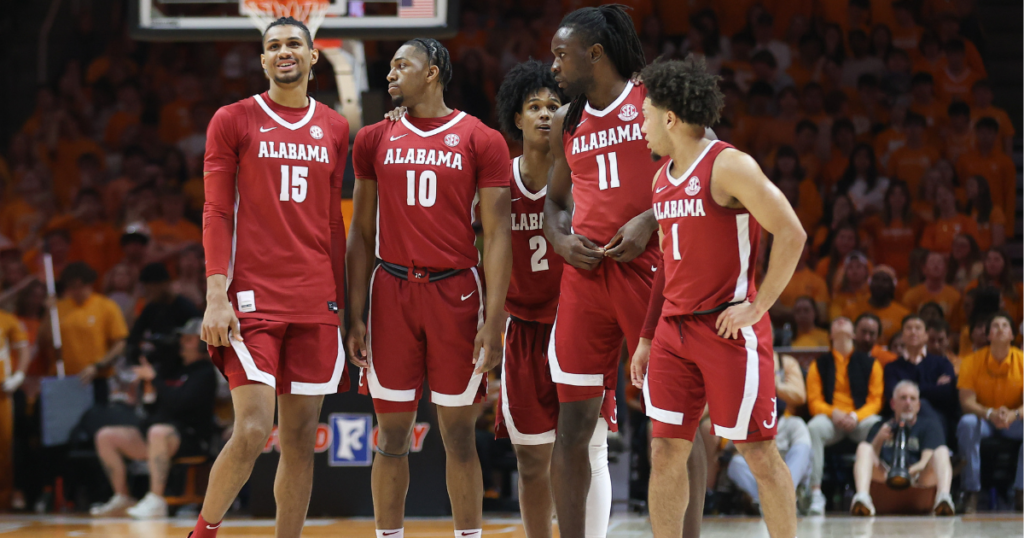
(496, 218)
(359, 263)
(577, 250)
(739, 182)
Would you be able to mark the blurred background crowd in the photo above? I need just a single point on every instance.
(885, 123)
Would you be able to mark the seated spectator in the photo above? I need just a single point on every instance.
(931, 311)
(923, 101)
(938, 235)
(958, 137)
(997, 275)
(981, 107)
(862, 181)
(766, 69)
(851, 286)
(764, 37)
(120, 286)
(181, 421)
(869, 111)
(934, 287)
(938, 342)
(906, 33)
(991, 393)
(799, 189)
(915, 273)
(808, 334)
(191, 281)
(989, 218)
(893, 233)
(979, 305)
(844, 395)
(957, 79)
(135, 247)
(794, 443)
(844, 139)
(153, 335)
(809, 64)
(838, 214)
(895, 136)
(171, 232)
(910, 162)
(93, 240)
(804, 282)
(988, 160)
(933, 374)
(860, 62)
(965, 263)
(927, 455)
(881, 302)
(866, 330)
(895, 81)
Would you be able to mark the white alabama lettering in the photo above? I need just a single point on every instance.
(527, 221)
(423, 156)
(297, 152)
(603, 139)
(674, 209)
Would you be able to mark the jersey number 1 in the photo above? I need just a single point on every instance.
(293, 184)
(611, 168)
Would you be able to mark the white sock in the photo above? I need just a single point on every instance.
(469, 533)
(599, 498)
(392, 533)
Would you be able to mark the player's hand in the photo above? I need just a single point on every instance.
(88, 374)
(396, 114)
(12, 383)
(736, 317)
(356, 340)
(487, 348)
(638, 365)
(579, 252)
(219, 319)
(631, 239)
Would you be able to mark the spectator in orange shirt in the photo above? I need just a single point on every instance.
(957, 79)
(988, 161)
(965, 262)
(924, 102)
(929, 58)
(997, 275)
(893, 233)
(780, 130)
(862, 181)
(851, 286)
(948, 30)
(895, 79)
(894, 136)
(869, 108)
(807, 151)
(128, 113)
(171, 232)
(910, 162)
(93, 240)
(981, 107)
(801, 192)
(804, 283)
(906, 34)
(934, 288)
(764, 38)
(938, 236)
(176, 116)
(915, 275)
(809, 65)
(837, 214)
(991, 220)
(843, 141)
(808, 334)
(133, 170)
(957, 137)
(881, 302)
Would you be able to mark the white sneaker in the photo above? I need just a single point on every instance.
(944, 505)
(817, 503)
(115, 507)
(150, 507)
(862, 505)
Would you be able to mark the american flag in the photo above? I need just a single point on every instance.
(415, 9)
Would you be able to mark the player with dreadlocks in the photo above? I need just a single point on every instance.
(417, 180)
(275, 265)
(598, 218)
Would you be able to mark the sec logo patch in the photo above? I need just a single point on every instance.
(693, 186)
(451, 140)
(627, 113)
(316, 132)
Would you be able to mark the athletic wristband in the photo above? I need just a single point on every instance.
(654, 305)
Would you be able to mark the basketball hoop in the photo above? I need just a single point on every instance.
(264, 12)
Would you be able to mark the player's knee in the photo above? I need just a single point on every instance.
(393, 440)
(668, 452)
(759, 454)
(300, 432)
(460, 443)
(533, 465)
(252, 434)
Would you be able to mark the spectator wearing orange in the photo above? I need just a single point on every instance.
(805, 317)
(923, 206)
(929, 58)
(836, 236)
(851, 287)
(997, 274)
(924, 102)
(807, 149)
(804, 283)
(13, 347)
(956, 80)
(800, 190)
(910, 162)
(881, 302)
(176, 116)
(895, 81)
(172, 232)
(934, 288)
(981, 107)
(748, 125)
(863, 182)
(867, 331)
(127, 113)
(906, 34)
(780, 130)
(741, 46)
(893, 233)
(133, 170)
(894, 136)
(65, 144)
(948, 29)
(809, 65)
(868, 110)
(843, 141)
(764, 39)
(938, 236)
(965, 262)
(988, 161)
(860, 61)
(93, 240)
(881, 40)
(958, 137)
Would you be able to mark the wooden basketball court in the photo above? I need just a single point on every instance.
(982, 526)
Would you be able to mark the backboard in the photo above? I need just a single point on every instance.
(225, 20)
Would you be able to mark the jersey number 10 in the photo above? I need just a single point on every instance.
(427, 188)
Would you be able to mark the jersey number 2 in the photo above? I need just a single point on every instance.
(293, 184)
(611, 168)
(539, 246)
(427, 188)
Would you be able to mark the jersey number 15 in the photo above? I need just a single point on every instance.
(293, 183)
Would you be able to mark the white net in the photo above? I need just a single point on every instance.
(264, 12)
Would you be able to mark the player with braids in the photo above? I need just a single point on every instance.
(713, 339)
(598, 218)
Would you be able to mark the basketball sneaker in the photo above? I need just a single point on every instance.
(862, 505)
(817, 507)
(943, 505)
(151, 506)
(115, 507)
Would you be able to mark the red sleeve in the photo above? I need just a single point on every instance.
(492, 158)
(363, 151)
(220, 168)
(655, 304)
(337, 221)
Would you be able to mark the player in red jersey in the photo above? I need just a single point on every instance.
(528, 404)
(598, 218)
(275, 251)
(713, 342)
(416, 180)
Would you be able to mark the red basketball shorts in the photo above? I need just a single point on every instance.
(295, 358)
(528, 402)
(690, 365)
(596, 310)
(423, 330)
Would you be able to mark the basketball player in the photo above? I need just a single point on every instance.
(428, 316)
(527, 100)
(714, 340)
(598, 217)
(275, 250)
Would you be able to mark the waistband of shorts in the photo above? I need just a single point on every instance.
(417, 274)
(716, 309)
(531, 321)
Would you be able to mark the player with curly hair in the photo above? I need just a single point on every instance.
(713, 341)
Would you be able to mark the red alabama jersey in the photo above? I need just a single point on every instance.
(710, 251)
(536, 269)
(428, 171)
(273, 208)
(611, 167)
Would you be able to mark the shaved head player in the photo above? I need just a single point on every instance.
(275, 266)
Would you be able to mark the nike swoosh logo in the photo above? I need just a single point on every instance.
(215, 527)
(389, 533)
(661, 189)
(464, 297)
(517, 199)
(393, 138)
(262, 130)
(582, 122)
(654, 269)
